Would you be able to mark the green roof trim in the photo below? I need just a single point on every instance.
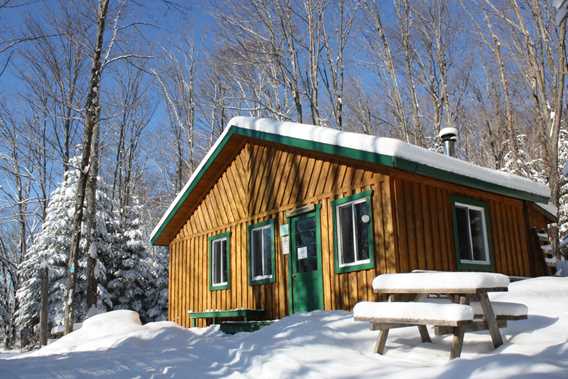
(394, 162)
(345, 152)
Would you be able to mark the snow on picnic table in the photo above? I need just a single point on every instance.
(440, 281)
(315, 345)
(409, 311)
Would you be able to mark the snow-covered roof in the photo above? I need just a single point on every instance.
(549, 208)
(386, 151)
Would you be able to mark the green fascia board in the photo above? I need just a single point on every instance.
(210, 240)
(473, 266)
(381, 159)
(390, 161)
(272, 279)
(363, 266)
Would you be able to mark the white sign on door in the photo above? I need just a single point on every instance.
(285, 245)
(303, 252)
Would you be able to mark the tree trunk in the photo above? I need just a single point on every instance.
(91, 226)
(43, 314)
(554, 134)
(91, 119)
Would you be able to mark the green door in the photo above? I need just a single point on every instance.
(305, 262)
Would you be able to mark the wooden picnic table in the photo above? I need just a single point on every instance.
(462, 288)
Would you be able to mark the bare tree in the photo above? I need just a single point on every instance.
(383, 53)
(14, 164)
(334, 71)
(134, 111)
(177, 84)
(538, 48)
(92, 112)
(52, 74)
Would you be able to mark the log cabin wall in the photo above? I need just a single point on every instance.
(264, 182)
(412, 220)
(538, 218)
(424, 226)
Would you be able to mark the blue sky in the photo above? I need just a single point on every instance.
(165, 25)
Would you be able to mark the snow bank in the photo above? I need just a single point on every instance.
(95, 332)
(368, 310)
(440, 281)
(323, 345)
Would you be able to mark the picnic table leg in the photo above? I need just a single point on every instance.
(490, 319)
(381, 341)
(424, 335)
(457, 342)
(193, 322)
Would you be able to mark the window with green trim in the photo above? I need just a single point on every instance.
(472, 242)
(219, 261)
(353, 228)
(261, 252)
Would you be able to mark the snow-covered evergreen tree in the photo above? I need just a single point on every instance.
(130, 277)
(534, 169)
(563, 200)
(51, 248)
(129, 274)
(527, 166)
(156, 302)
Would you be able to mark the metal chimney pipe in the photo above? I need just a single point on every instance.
(449, 136)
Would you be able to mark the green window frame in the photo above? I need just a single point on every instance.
(481, 208)
(351, 202)
(225, 266)
(265, 278)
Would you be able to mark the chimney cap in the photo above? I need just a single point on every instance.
(448, 133)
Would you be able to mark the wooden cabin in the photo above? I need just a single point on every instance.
(285, 217)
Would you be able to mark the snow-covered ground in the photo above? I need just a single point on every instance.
(316, 345)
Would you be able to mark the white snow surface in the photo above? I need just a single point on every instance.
(502, 308)
(408, 311)
(364, 142)
(94, 333)
(313, 345)
(440, 281)
(548, 207)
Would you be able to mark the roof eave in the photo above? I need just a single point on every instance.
(346, 152)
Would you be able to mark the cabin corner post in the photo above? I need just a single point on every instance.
(170, 249)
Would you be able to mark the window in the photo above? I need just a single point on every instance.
(219, 270)
(261, 252)
(470, 229)
(353, 231)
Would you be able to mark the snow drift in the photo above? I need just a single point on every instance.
(314, 345)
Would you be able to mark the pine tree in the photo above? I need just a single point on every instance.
(532, 168)
(130, 272)
(563, 201)
(156, 302)
(51, 248)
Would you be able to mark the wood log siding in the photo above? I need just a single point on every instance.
(261, 183)
(424, 226)
(412, 221)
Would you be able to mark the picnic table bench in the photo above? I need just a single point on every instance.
(466, 289)
(244, 313)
